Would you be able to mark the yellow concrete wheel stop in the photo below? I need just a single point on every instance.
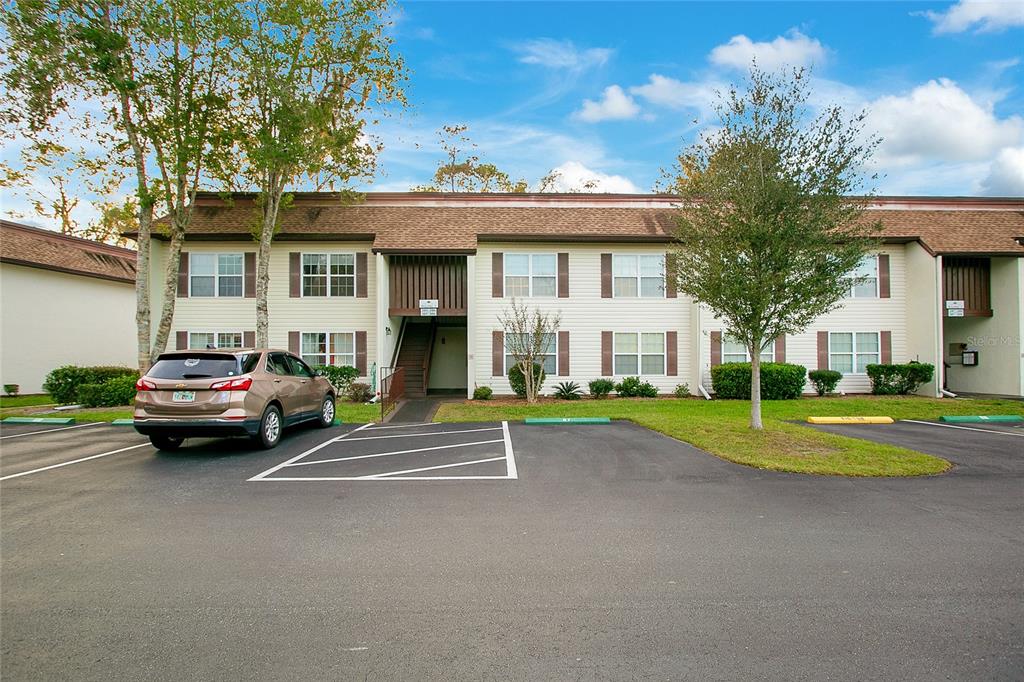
(849, 420)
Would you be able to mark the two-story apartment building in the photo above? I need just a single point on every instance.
(420, 281)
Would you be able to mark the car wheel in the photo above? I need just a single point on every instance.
(327, 412)
(270, 428)
(166, 442)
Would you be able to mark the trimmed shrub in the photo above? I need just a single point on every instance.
(899, 379)
(682, 391)
(63, 383)
(482, 393)
(111, 393)
(633, 387)
(779, 381)
(11, 389)
(824, 380)
(341, 377)
(359, 392)
(568, 390)
(517, 380)
(600, 388)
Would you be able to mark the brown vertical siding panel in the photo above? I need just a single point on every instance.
(361, 275)
(250, 274)
(563, 275)
(822, 350)
(248, 339)
(607, 366)
(294, 274)
(716, 348)
(672, 353)
(780, 349)
(606, 275)
(361, 353)
(670, 279)
(563, 353)
(295, 343)
(885, 339)
(883, 275)
(497, 353)
(181, 340)
(497, 274)
(183, 275)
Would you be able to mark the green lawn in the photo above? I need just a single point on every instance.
(7, 401)
(720, 427)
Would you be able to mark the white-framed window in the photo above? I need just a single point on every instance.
(531, 274)
(203, 340)
(640, 276)
(328, 274)
(852, 352)
(864, 279)
(328, 348)
(639, 354)
(216, 274)
(735, 351)
(549, 358)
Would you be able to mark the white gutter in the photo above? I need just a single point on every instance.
(703, 391)
(947, 394)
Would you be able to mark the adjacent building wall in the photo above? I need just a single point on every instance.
(924, 312)
(52, 319)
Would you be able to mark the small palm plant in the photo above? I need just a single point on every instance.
(568, 390)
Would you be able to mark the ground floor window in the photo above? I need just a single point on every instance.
(329, 348)
(204, 340)
(639, 353)
(548, 359)
(852, 352)
(736, 351)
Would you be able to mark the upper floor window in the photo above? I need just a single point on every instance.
(852, 352)
(548, 357)
(736, 351)
(864, 279)
(329, 348)
(637, 275)
(202, 340)
(640, 353)
(530, 274)
(328, 274)
(216, 274)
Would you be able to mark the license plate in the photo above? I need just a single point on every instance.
(184, 396)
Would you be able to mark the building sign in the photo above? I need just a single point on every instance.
(428, 307)
(953, 305)
(428, 312)
(955, 312)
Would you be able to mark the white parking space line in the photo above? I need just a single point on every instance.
(396, 452)
(510, 459)
(62, 428)
(263, 476)
(433, 468)
(404, 426)
(75, 461)
(432, 433)
(965, 428)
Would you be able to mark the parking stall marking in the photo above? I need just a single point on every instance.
(431, 433)
(263, 476)
(389, 454)
(61, 428)
(75, 461)
(965, 428)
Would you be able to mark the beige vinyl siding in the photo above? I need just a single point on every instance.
(584, 315)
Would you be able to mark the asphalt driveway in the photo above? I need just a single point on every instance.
(613, 553)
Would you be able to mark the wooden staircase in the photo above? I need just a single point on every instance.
(414, 358)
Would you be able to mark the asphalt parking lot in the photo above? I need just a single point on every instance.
(512, 552)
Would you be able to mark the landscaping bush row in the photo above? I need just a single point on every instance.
(64, 383)
(629, 387)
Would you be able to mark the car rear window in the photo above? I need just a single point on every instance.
(195, 366)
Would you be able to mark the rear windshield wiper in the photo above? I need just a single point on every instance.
(196, 376)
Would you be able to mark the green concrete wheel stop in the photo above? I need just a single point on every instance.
(981, 419)
(39, 420)
(567, 420)
(123, 422)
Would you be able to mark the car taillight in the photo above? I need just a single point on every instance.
(143, 385)
(240, 384)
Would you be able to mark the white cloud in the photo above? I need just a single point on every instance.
(938, 120)
(573, 176)
(793, 49)
(981, 15)
(675, 94)
(1006, 174)
(614, 104)
(560, 54)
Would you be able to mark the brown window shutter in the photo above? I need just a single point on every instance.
(607, 366)
(295, 343)
(822, 350)
(497, 278)
(497, 353)
(883, 275)
(563, 354)
(249, 339)
(183, 275)
(294, 274)
(606, 275)
(716, 349)
(250, 274)
(361, 275)
(563, 275)
(780, 349)
(885, 338)
(361, 353)
(181, 340)
(672, 354)
(670, 277)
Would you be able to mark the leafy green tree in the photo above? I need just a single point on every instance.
(770, 224)
(461, 169)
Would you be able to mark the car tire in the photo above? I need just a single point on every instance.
(270, 428)
(168, 443)
(327, 411)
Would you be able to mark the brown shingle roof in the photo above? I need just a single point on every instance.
(417, 222)
(39, 248)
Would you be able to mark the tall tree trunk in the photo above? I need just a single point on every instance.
(163, 330)
(142, 309)
(271, 205)
(755, 386)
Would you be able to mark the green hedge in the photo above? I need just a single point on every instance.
(633, 387)
(899, 379)
(111, 393)
(824, 380)
(63, 383)
(517, 380)
(340, 376)
(779, 381)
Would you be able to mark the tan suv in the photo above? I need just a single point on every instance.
(203, 393)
